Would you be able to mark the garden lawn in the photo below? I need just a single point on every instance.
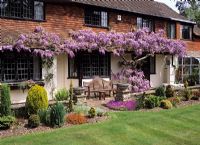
(167, 127)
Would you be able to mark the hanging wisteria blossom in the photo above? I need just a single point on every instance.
(141, 44)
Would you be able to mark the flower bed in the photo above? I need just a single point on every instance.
(122, 105)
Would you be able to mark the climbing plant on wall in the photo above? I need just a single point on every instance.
(140, 43)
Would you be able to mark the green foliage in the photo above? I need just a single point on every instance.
(141, 102)
(45, 116)
(187, 94)
(6, 122)
(169, 92)
(152, 101)
(196, 95)
(166, 104)
(174, 100)
(62, 95)
(160, 91)
(37, 99)
(70, 104)
(5, 106)
(57, 115)
(81, 109)
(92, 112)
(34, 121)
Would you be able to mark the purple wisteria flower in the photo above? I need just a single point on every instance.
(122, 105)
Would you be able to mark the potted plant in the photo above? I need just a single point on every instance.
(78, 90)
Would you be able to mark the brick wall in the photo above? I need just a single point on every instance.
(61, 19)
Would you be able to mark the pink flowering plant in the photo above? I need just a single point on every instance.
(122, 105)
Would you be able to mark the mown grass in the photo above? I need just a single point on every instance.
(168, 127)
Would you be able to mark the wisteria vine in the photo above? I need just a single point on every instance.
(141, 43)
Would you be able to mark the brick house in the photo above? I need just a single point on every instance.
(63, 16)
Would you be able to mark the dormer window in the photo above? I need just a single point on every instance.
(22, 9)
(96, 18)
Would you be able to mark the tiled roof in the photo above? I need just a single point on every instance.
(145, 7)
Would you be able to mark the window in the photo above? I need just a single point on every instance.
(153, 65)
(188, 67)
(89, 64)
(15, 67)
(73, 67)
(142, 23)
(171, 30)
(38, 10)
(24, 9)
(186, 32)
(96, 18)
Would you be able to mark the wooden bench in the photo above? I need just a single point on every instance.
(97, 86)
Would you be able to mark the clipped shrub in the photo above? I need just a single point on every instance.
(57, 114)
(169, 91)
(152, 101)
(6, 122)
(160, 91)
(36, 100)
(75, 118)
(187, 95)
(45, 116)
(33, 121)
(196, 95)
(62, 95)
(5, 102)
(166, 104)
(174, 100)
(92, 112)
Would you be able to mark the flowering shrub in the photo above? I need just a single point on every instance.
(134, 77)
(75, 118)
(120, 105)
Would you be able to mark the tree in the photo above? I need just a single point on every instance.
(190, 9)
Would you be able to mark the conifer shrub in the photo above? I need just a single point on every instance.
(57, 114)
(152, 101)
(166, 104)
(160, 91)
(36, 100)
(169, 91)
(5, 102)
(92, 112)
(34, 121)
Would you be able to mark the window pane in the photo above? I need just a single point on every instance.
(17, 67)
(35, 68)
(186, 32)
(38, 10)
(139, 22)
(171, 31)
(104, 19)
(16, 8)
(27, 9)
(73, 67)
(96, 18)
(152, 65)
(4, 9)
(94, 65)
(186, 60)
